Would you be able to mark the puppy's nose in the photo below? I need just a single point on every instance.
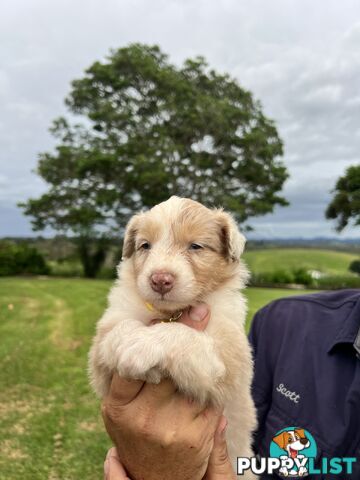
(304, 441)
(162, 282)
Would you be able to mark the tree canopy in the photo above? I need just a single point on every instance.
(149, 130)
(345, 205)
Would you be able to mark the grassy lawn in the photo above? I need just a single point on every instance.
(325, 261)
(50, 427)
(258, 297)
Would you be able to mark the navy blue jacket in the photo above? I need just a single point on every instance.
(307, 373)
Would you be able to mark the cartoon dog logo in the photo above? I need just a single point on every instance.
(293, 441)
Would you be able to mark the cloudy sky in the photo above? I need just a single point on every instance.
(300, 58)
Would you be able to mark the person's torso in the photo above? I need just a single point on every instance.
(315, 384)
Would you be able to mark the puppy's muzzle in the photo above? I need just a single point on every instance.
(162, 282)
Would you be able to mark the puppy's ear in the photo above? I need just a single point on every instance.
(233, 241)
(129, 237)
(300, 432)
(280, 440)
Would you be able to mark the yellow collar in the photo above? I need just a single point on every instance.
(150, 306)
(174, 317)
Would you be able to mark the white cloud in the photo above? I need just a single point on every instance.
(303, 67)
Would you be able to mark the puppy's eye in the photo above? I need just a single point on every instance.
(145, 246)
(195, 246)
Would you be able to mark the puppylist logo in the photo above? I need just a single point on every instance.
(294, 447)
(293, 451)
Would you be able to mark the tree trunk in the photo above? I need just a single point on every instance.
(92, 256)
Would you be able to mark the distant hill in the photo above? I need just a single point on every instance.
(330, 243)
(301, 240)
(325, 261)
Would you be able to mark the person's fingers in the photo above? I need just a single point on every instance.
(219, 439)
(113, 470)
(124, 391)
(208, 418)
(219, 466)
(187, 407)
(159, 392)
(196, 317)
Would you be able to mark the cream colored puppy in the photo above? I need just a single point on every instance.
(175, 255)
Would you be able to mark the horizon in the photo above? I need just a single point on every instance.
(249, 238)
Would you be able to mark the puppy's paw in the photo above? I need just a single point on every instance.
(198, 374)
(154, 375)
(140, 362)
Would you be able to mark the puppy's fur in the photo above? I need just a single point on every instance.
(212, 366)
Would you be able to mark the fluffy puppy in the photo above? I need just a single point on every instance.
(176, 255)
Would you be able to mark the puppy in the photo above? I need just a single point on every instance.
(176, 255)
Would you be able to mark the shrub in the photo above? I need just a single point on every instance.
(302, 277)
(336, 281)
(355, 267)
(107, 273)
(66, 268)
(272, 278)
(21, 259)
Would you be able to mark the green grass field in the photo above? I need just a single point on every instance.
(50, 427)
(326, 261)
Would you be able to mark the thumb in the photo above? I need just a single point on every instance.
(113, 470)
(219, 466)
(123, 391)
(196, 317)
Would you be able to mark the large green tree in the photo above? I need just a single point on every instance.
(151, 129)
(345, 205)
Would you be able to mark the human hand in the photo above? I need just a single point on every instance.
(113, 470)
(159, 434)
(219, 467)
